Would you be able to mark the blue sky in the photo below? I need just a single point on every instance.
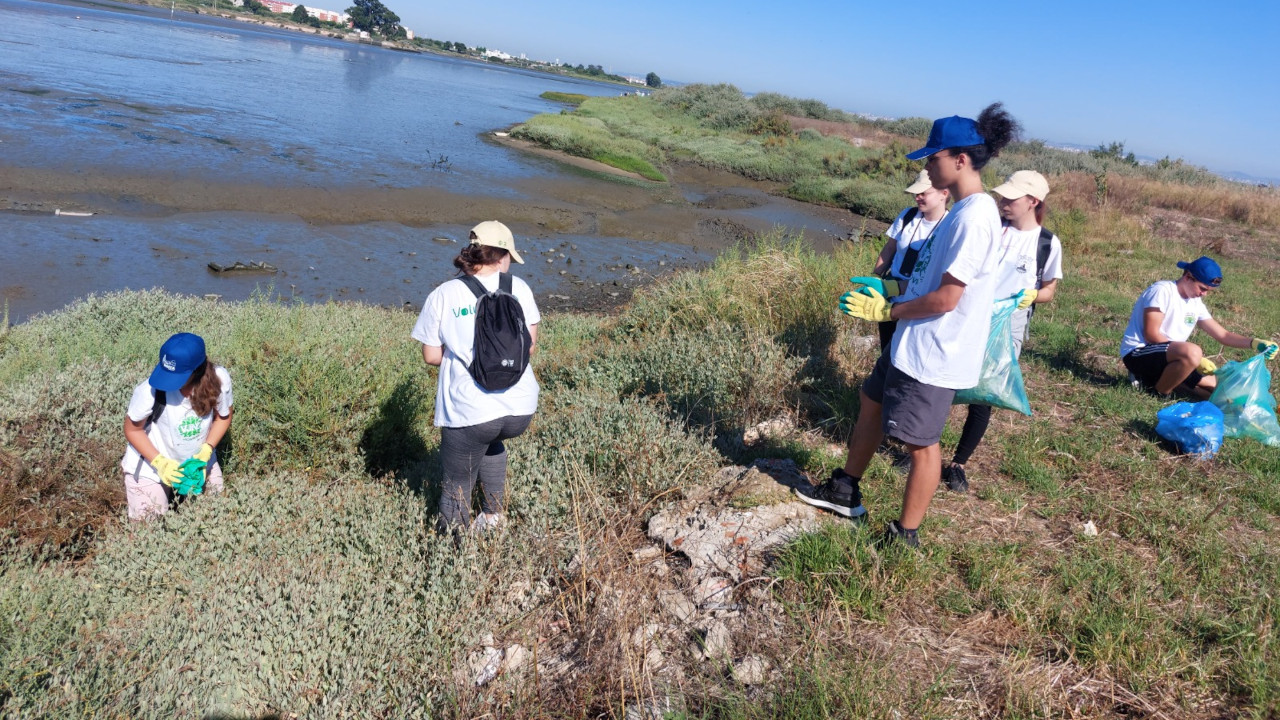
(1197, 80)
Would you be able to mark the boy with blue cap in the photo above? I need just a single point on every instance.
(1155, 348)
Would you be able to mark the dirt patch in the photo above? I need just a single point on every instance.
(855, 134)
(1256, 246)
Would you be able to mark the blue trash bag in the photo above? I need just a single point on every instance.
(1245, 399)
(1001, 382)
(1194, 428)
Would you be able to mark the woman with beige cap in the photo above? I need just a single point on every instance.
(908, 233)
(474, 421)
(1030, 266)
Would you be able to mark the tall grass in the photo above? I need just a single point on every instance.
(315, 586)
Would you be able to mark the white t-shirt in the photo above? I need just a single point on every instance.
(1180, 315)
(946, 350)
(1017, 266)
(909, 236)
(448, 320)
(179, 432)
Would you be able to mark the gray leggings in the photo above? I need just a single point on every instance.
(470, 452)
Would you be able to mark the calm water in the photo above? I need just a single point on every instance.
(126, 90)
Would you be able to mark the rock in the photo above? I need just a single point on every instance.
(515, 656)
(715, 643)
(1089, 529)
(714, 590)
(775, 428)
(865, 343)
(750, 670)
(648, 552)
(483, 665)
(678, 605)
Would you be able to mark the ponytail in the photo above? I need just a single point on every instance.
(997, 128)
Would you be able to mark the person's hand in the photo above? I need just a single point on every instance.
(1026, 297)
(204, 453)
(169, 470)
(886, 287)
(870, 306)
(192, 480)
(1265, 348)
(1206, 367)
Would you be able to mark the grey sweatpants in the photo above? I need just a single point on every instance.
(470, 452)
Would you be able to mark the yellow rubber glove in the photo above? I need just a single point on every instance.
(1266, 348)
(1026, 297)
(204, 453)
(169, 470)
(868, 307)
(1206, 367)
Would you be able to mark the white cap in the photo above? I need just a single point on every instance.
(495, 234)
(1023, 182)
(921, 184)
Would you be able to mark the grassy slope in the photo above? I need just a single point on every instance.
(315, 582)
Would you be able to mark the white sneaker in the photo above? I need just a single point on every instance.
(486, 522)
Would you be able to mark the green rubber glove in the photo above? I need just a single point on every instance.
(192, 481)
(870, 306)
(886, 287)
(1266, 348)
(204, 453)
(167, 468)
(1206, 367)
(1026, 297)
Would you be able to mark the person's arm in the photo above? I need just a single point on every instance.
(135, 432)
(943, 300)
(1214, 330)
(433, 354)
(218, 428)
(1152, 319)
(533, 338)
(885, 261)
(1047, 291)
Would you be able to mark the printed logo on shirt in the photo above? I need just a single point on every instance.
(465, 310)
(1189, 319)
(926, 253)
(189, 428)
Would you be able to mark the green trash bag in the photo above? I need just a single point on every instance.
(1245, 399)
(1000, 384)
(193, 474)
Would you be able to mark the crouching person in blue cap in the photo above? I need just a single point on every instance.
(175, 420)
(1155, 348)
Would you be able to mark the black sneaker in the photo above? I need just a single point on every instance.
(893, 534)
(839, 494)
(953, 476)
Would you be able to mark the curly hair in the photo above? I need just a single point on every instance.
(205, 387)
(473, 257)
(997, 128)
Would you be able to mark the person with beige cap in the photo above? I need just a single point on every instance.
(908, 233)
(1030, 266)
(474, 421)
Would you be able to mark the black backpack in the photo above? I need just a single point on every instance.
(1043, 247)
(502, 342)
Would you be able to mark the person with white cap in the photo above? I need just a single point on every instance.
(908, 233)
(181, 411)
(944, 318)
(1154, 347)
(473, 420)
(1030, 266)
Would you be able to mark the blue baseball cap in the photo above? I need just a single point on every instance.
(179, 357)
(949, 132)
(1204, 269)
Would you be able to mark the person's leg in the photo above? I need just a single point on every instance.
(461, 452)
(922, 483)
(975, 427)
(866, 437)
(915, 413)
(493, 466)
(1181, 359)
(146, 498)
(213, 480)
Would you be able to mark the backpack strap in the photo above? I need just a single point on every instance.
(1042, 252)
(157, 408)
(475, 285)
(504, 282)
(910, 215)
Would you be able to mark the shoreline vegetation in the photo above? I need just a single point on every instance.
(314, 586)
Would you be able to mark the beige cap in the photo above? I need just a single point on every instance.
(921, 184)
(495, 234)
(1023, 182)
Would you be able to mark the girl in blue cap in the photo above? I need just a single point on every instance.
(1155, 348)
(944, 317)
(181, 411)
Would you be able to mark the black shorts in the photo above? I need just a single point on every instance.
(1148, 362)
(911, 411)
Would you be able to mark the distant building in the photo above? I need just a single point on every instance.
(498, 54)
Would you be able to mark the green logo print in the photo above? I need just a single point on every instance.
(189, 428)
(464, 311)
